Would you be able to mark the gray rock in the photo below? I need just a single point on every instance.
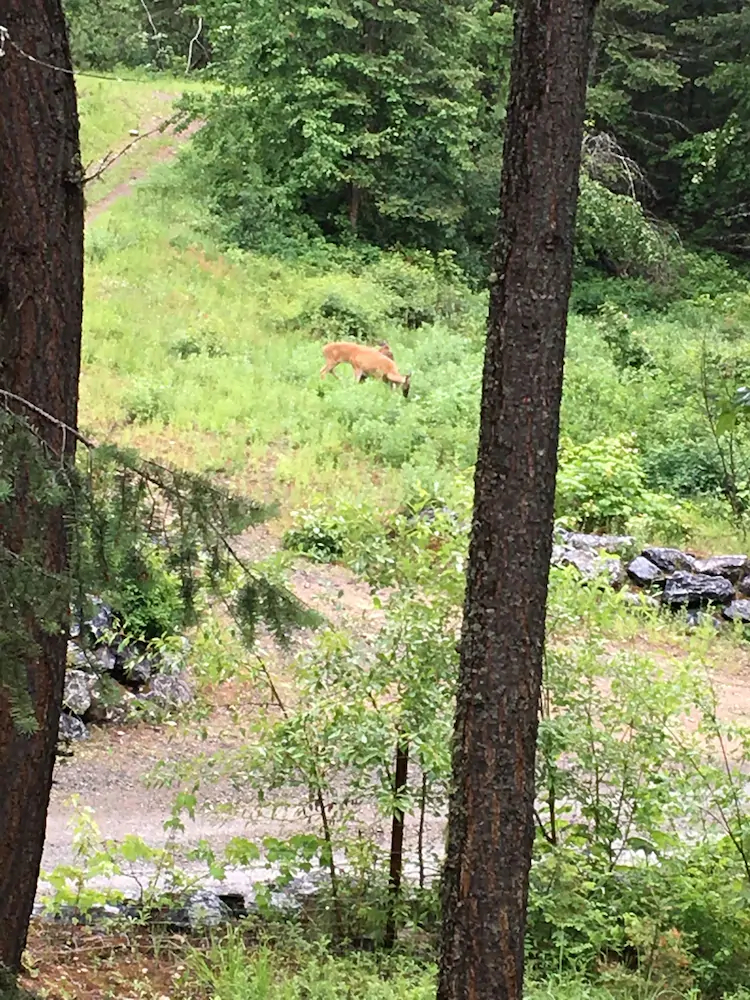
(77, 692)
(103, 619)
(134, 667)
(104, 659)
(738, 611)
(76, 657)
(590, 565)
(169, 691)
(643, 572)
(697, 618)
(731, 567)
(202, 910)
(640, 600)
(694, 590)
(619, 544)
(72, 728)
(744, 586)
(670, 560)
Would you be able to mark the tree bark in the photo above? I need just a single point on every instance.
(491, 828)
(41, 287)
(397, 844)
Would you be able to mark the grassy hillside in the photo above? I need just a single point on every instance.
(212, 358)
(110, 110)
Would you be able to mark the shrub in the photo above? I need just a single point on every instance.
(601, 487)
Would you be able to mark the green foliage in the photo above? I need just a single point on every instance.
(117, 507)
(332, 112)
(105, 35)
(601, 487)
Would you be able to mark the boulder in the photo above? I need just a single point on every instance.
(696, 618)
(733, 568)
(77, 692)
(590, 565)
(694, 590)
(102, 621)
(618, 544)
(71, 728)
(738, 611)
(644, 572)
(670, 560)
(76, 657)
(104, 659)
(169, 691)
(202, 910)
(133, 667)
(640, 600)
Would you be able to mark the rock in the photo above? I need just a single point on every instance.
(133, 667)
(643, 572)
(104, 659)
(102, 621)
(202, 910)
(76, 657)
(590, 565)
(121, 711)
(744, 586)
(71, 728)
(697, 618)
(169, 691)
(738, 611)
(734, 568)
(597, 543)
(670, 560)
(77, 692)
(696, 589)
(640, 600)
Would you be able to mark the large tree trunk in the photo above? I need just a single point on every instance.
(41, 287)
(491, 831)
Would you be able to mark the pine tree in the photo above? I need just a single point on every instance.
(491, 823)
(360, 114)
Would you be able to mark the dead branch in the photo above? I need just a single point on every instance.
(111, 157)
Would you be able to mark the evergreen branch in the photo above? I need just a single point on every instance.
(66, 428)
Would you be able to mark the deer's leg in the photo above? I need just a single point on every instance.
(327, 369)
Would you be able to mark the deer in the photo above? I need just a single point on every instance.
(364, 361)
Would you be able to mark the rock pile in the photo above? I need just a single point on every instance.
(108, 676)
(674, 579)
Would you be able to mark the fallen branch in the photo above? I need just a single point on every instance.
(106, 162)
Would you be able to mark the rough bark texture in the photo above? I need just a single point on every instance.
(491, 830)
(41, 286)
(397, 845)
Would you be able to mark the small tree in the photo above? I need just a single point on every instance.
(491, 824)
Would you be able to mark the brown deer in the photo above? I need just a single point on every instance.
(364, 361)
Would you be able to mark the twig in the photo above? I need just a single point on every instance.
(66, 428)
(109, 158)
(193, 40)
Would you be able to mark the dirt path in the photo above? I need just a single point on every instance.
(161, 155)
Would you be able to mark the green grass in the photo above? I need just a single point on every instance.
(110, 108)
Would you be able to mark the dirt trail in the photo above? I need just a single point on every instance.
(161, 155)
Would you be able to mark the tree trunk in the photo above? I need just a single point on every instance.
(41, 287)
(491, 826)
(397, 844)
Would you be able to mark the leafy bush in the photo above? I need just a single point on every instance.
(148, 595)
(601, 487)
